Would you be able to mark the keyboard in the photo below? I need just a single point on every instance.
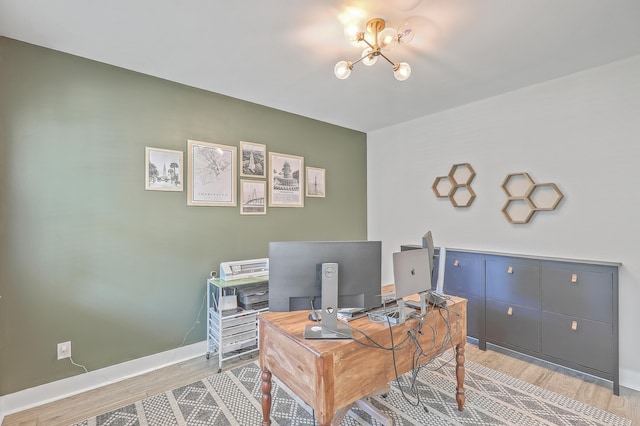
(351, 314)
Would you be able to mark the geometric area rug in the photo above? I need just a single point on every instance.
(233, 397)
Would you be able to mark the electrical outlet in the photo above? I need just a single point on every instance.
(64, 350)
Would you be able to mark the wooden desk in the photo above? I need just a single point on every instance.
(330, 375)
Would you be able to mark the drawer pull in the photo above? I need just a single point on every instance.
(510, 270)
(510, 311)
(574, 278)
(456, 263)
(574, 325)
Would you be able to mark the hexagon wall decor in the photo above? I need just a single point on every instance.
(456, 185)
(442, 186)
(525, 197)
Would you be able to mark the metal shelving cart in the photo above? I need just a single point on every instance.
(232, 332)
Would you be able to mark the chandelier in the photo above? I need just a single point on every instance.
(381, 38)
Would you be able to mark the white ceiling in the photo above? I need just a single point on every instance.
(281, 53)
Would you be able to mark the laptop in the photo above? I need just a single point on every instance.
(412, 272)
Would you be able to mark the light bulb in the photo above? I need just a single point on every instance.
(342, 69)
(386, 38)
(351, 32)
(406, 32)
(402, 72)
(369, 59)
(351, 18)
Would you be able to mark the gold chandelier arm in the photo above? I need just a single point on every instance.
(376, 51)
(355, 62)
(388, 60)
(370, 45)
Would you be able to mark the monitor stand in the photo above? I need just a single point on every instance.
(328, 328)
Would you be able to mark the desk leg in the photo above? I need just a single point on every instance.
(266, 397)
(459, 375)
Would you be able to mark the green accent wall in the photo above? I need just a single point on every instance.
(88, 255)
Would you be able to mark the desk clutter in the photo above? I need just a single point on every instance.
(391, 310)
(298, 276)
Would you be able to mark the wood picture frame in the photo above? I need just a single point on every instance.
(286, 180)
(253, 161)
(163, 169)
(211, 174)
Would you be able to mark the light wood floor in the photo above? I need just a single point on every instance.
(590, 390)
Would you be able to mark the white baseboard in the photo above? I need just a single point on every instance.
(630, 379)
(33, 397)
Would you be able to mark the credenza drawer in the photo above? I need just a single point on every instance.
(462, 274)
(580, 341)
(513, 281)
(513, 325)
(578, 291)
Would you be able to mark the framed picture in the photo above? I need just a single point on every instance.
(286, 176)
(212, 174)
(252, 160)
(315, 182)
(252, 196)
(163, 170)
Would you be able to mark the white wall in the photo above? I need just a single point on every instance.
(581, 131)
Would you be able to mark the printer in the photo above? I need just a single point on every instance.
(254, 296)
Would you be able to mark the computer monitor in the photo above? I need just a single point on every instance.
(427, 243)
(442, 261)
(295, 277)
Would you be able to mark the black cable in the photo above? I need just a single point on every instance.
(313, 309)
(420, 352)
(448, 341)
(374, 343)
(411, 337)
(395, 368)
